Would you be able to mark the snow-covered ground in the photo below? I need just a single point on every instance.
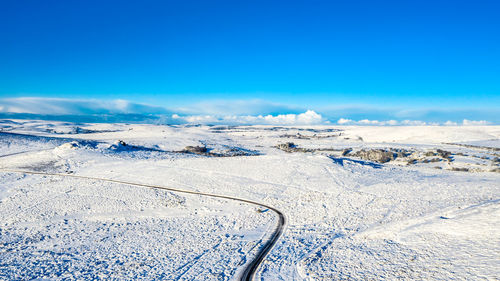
(431, 210)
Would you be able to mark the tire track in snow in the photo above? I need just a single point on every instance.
(25, 152)
(250, 271)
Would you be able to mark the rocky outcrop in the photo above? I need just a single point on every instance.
(346, 151)
(202, 150)
(229, 152)
(291, 147)
(375, 155)
(459, 169)
(443, 153)
(288, 146)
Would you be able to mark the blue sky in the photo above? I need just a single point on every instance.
(409, 56)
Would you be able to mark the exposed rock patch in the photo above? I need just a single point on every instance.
(443, 153)
(375, 155)
(230, 152)
(346, 151)
(402, 156)
(202, 150)
(460, 169)
(291, 147)
(308, 137)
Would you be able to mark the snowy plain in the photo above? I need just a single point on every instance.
(430, 212)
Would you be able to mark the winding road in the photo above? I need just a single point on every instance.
(252, 268)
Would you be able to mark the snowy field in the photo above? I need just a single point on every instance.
(361, 203)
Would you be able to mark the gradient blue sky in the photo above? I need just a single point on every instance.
(307, 54)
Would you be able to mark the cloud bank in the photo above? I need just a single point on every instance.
(307, 118)
(366, 122)
(239, 112)
(56, 106)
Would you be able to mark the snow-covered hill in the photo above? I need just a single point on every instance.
(361, 202)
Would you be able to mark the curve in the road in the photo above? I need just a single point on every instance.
(252, 268)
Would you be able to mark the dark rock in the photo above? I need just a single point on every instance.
(286, 146)
(460, 169)
(430, 153)
(291, 147)
(195, 149)
(346, 151)
(443, 153)
(376, 155)
(411, 161)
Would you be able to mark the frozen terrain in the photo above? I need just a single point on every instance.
(361, 203)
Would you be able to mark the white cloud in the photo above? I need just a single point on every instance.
(450, 123)
(413, 123)
(202, 119)
(367, 122)
(475, 123)
(343, 121)
(307, 118)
